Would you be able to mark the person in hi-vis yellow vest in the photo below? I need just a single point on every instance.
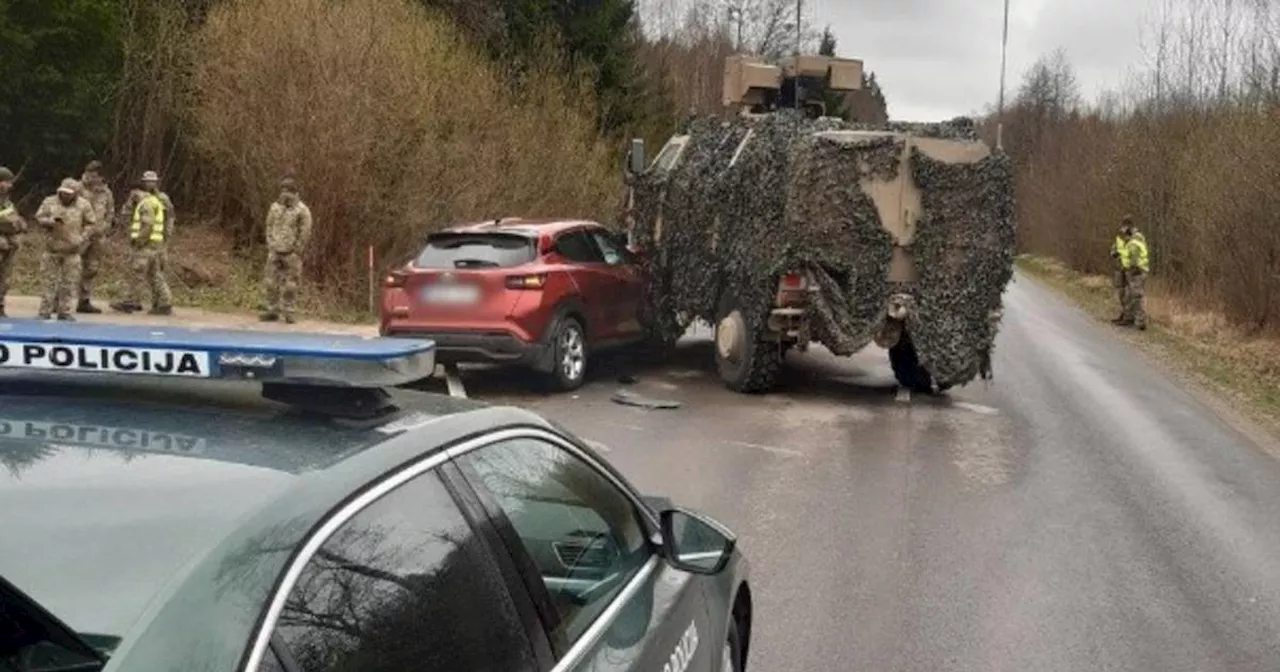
(1137, 265)
(1119, 253)
(150, 227)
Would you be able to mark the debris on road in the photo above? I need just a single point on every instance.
(627, 398)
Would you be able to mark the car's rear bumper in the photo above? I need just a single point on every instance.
(496, 348)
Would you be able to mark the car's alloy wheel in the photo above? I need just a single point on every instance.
(570, 354)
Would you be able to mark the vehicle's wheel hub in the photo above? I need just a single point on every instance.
(573, 354)
(729, 334)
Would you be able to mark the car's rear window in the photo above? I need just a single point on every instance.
(471, 250)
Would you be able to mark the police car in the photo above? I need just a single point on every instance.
(178, 499)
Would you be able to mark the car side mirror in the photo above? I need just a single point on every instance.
(694, 543)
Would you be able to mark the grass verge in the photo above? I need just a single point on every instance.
(1240, 368)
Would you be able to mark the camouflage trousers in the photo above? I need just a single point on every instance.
(7, 258)
(90, 263)
(281, 279)
(60, 276)
(146, 271)
(1135, 291)
(1119, 282)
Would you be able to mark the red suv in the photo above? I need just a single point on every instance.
(543, 293)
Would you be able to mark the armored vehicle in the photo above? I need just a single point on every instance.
(784, 226)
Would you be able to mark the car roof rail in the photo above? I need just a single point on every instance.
(331, 374)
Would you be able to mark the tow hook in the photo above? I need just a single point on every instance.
(898, 310)
(900, 306)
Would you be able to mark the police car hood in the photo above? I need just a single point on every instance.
(105, 500)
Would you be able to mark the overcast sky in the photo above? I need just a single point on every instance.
(937, 59)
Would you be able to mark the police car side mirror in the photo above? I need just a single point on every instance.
(695, 543)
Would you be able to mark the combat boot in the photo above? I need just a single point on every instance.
(126, 307)
(268, 317)
(289, 319)
(2, 313)
(86, 308)
(65, 317)
(161, 310)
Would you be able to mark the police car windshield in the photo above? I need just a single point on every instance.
(469, 250)
(111, 487)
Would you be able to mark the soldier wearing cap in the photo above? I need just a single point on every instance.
(65, 218)
(150, 228)
(96, 191)
(288, 233)
(12, 226)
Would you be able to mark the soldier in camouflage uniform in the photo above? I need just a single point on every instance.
(288, 232)
(1119, 253)
(1137, 265)
(12, 226)
(65, 218)
(151, 222)
(96, 191)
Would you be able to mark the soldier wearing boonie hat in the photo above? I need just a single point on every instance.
(150, 228)
(65, 217)
(288, 229)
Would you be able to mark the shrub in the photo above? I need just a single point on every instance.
(393, 124)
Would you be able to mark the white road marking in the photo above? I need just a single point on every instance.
(976, 408)
(769, 449)
(454, 381)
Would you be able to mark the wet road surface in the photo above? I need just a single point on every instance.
(1080, 512)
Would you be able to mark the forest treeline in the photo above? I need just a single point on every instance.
(396, 116)
(1190, 147)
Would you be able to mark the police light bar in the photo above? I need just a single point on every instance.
(324, 360)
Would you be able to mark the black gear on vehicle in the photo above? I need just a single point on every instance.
(906, 366)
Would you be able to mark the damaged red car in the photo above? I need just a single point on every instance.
(545, 294)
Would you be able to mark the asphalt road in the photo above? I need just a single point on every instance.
(1080, 512)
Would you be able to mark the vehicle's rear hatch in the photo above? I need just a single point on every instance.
(462, 275)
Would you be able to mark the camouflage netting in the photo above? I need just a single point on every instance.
(792, 200)
(964, 249)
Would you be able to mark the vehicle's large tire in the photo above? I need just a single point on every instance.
(907, 369)
(733, 650)
(755, 369)
(569, 357)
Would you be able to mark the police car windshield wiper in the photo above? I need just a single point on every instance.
(25, 625)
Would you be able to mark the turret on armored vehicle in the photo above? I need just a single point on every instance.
(783, 227)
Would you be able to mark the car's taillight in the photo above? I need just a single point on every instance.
(394, 279)
(793, 282)
(532, 281)
(793, 290)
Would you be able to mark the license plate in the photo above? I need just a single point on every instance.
(451, 294)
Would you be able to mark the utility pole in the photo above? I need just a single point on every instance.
(1004, 50)
(735, 15)
(799, 38)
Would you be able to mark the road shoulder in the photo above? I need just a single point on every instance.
(1235, 377)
